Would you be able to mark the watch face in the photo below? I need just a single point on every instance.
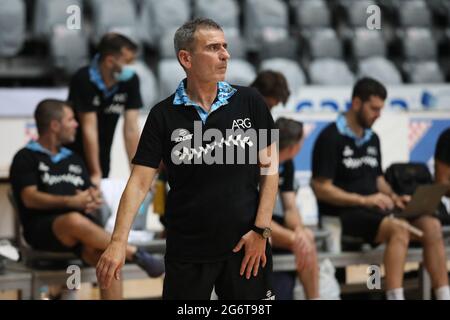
(267, 232)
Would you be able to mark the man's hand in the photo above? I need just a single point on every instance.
(86, 201)
(255, 253)
(302, 248)
(96, 179)
(401, 201)
(111, 263)
(378, 200)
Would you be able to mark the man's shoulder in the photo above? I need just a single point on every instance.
(330, 132)
(24, 153)
(81, 74)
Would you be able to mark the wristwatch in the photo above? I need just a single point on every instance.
(263, 232)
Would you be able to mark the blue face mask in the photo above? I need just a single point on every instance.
(126, 74)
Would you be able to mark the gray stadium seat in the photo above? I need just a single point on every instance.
(240, 72)
(224, 12)
(68, 49)
(149, 87)
(325, 44)
(170, 73)
(312, 14)
(50, 13)
(419, 44)
(12, 26)
(165, 44)
(426, 72)
(164, 16)
(265, 21)
(290, 69)
(356, 11)
(330, 72)
(414, 13)
(381, 69)
(114, 15)
(368, 43)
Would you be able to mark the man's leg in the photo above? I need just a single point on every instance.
(397, 239)
(310, 277)
(91, 257)
(434, 256)
(73, 228)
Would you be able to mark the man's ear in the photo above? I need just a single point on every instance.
(55, 125)
(185, 58)
(356, 103)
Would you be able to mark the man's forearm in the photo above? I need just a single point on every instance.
(91, 152)
(131, 138)
(333, 195)
(44, 201)
(282, 237)
(268, 192)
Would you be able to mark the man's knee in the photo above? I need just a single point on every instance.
(70, 221)
(391, 231)
(432, 228)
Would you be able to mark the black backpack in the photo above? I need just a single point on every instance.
(404, 179)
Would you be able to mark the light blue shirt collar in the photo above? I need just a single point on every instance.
(61, 155)
(96, 78)
(224, 92)
(344, 129)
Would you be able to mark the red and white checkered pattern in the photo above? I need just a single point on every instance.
(417, 129)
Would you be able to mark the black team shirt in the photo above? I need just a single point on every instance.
(352, 166)
(210, 206)
(86, 95)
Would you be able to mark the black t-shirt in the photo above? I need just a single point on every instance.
(351, 168)
(442, 152)
(210, 206)
(85, 96)
(35, 168)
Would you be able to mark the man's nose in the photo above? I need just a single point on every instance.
(225, 55)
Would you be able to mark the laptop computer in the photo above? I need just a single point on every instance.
(424, 201)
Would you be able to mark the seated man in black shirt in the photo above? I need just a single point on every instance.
(349, 183)
(289, 235)
(55, 198)
(442, 159)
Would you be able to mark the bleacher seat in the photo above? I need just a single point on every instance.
(420, 52)
(294, 75)
(68, 50)
(325, 44)
(419, 44)
(367, 43)
(240, 72)
(224, 12)
(312, 14)
(49, 14)
(414, 13)
(148, 84)
(170, 73)
(113, 15)
(426, 72)
(328, 71)
(265, 21)
(163, 17)
(356, 11)
(12, 26)
(381, 69)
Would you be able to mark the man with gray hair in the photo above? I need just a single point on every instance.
(218, 212)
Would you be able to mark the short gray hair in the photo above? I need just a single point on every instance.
(184, 36)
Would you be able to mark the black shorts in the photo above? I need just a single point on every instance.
(40, 235)
(195, 281)
(361, 223)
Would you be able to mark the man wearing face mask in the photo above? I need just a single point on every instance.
(100, 93)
